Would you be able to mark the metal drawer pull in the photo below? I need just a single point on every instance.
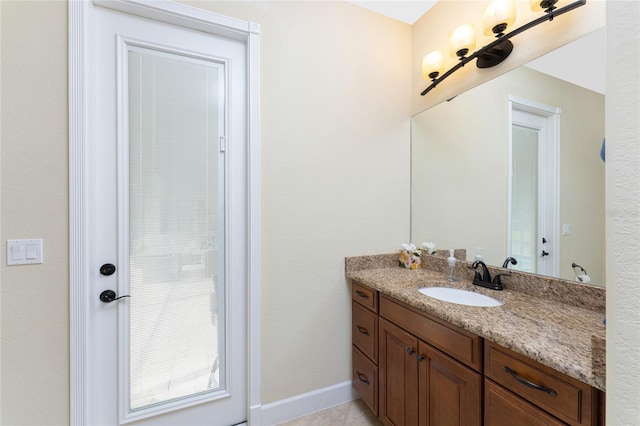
(362, 294)
(528, 383)
(362, 377)
(362, 330)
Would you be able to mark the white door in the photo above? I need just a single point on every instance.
(167, 220)
(533, 205)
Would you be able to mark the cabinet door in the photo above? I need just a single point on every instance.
(365, 379)
(562, 396)
(398, 376)
(450, 393)
(364, 330)
(502, 407)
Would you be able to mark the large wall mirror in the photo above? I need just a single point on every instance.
(514, 167)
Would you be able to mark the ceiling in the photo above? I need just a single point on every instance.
(402, 10)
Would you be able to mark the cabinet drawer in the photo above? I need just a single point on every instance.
(502, 407)
(365, 379)
(462, 345)
(364, 330)
(565, 397)
(365, 296)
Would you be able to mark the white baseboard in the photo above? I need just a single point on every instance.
(301, 405)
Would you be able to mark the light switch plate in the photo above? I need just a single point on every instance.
(24, 252)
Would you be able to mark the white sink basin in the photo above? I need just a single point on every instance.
(461, 297)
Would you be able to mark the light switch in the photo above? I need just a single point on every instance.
(566, 229)
(16, 253)
(24, 252)
(32, 252)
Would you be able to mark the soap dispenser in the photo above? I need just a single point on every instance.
(479, 255)
(451, 260)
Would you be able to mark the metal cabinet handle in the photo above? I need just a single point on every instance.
(362, 294)
(362, 330)
(420, 358)
(528, 383)
(362, 377)
(411, 351)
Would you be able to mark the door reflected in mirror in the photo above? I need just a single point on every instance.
(532, 204)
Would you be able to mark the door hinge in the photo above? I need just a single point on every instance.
(223, 144)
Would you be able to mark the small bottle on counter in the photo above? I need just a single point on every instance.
(479, 255)
(452, 266)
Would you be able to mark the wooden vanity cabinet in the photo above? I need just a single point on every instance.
(398, 376)
(419, 385)
(364, 336)
(414, 369)
(535, 390)
(502, 407)
(450, 393)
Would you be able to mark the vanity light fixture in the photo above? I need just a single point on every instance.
(499, 16)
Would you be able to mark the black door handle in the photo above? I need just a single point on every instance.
(544, 253)
(109, 296)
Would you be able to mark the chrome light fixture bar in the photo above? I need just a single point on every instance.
(497, 51)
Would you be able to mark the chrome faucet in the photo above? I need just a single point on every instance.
(484, 279)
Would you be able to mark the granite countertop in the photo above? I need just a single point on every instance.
(567, 338)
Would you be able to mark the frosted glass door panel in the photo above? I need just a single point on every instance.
(524, 201)
(176, 242)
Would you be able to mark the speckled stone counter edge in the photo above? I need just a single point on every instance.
(570, 293)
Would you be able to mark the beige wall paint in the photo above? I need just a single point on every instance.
(335, 103)
(35, 310)
(460, 162)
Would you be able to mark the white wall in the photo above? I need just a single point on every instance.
(623, 212)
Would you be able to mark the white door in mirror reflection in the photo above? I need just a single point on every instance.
(533, 208)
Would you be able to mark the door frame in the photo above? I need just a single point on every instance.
(550, 191)
(79, 116)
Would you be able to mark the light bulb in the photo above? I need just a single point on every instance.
(462, 40)
(536, 5)
(542, 5)
(499, 16)
(432, 65)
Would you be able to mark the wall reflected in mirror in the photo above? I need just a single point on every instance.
(462, 164)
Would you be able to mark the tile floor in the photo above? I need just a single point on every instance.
(354, 413)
